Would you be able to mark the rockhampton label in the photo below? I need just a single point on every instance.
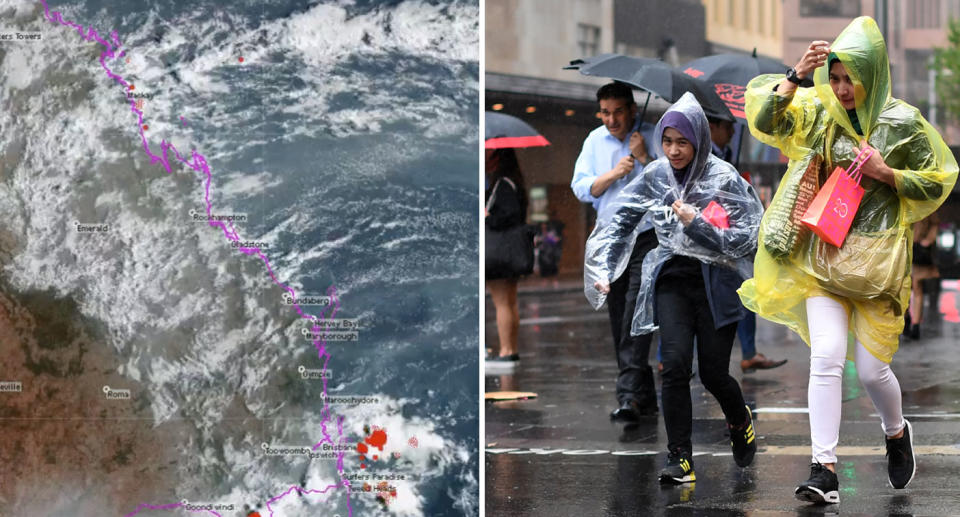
(199, 216)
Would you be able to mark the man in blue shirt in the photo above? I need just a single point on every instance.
(613, 155)
(721, 133)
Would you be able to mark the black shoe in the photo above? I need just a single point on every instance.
(822, 487)
(679, 469)
(629, 411)
(744, 442)
(502, 361)
(632, 411)
(901, 463)
(915, 331)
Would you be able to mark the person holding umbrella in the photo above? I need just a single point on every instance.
(823, 292)
(705, 217)
(509, 243)
(612, 156)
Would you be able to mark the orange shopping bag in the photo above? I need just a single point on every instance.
(833, 209)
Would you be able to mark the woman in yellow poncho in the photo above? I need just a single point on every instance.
(824, 293)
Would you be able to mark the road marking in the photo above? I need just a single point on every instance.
(770, 450)
(546, 320)
(859, 450)
(925, 415)
(786, 410)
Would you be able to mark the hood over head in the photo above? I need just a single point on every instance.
(688, 107)
(861, 49)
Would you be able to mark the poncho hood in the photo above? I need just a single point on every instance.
(861, 49)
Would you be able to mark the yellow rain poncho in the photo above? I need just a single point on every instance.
(870, 273)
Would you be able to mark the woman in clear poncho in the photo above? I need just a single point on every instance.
(706, 218)
(819, 291)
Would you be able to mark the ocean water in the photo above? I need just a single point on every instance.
(346, 137)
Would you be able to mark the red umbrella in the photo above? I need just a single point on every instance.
(502, 131)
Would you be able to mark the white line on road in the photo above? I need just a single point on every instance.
(774, 450)
(547, 320)
(788, 410)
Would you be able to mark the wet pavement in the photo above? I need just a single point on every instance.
(559, 454)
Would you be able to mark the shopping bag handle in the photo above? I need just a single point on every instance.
(854, 170)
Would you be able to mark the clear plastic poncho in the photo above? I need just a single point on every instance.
(650, 195)
(870, 273)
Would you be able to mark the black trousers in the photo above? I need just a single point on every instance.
(634, 377)
(684, 314)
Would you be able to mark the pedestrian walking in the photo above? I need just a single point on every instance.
(612, 156)
(924, 268)
(821, 290)
(706, 218)
(505, 217)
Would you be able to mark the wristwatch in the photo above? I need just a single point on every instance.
(792, 77)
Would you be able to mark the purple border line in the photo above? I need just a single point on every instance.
(199, 164)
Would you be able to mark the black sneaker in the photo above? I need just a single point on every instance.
(901, 463)
(679, 469)
(744, 442)
(502, 361)
(822, 487)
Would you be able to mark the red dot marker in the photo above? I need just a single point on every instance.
(376, 457)
(254, 514)
(363, 466)
(377, 439)
(132, 87)
(240, 59)
(146, 127)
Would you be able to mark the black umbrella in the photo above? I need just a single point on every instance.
(502, 130)
(730, 73)
(654, 76)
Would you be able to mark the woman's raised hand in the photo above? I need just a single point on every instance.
(813, 58)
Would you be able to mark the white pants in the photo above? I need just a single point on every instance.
(828, 320)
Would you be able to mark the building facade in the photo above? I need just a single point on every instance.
(745, 25)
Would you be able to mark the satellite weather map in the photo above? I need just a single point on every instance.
(238, 258)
